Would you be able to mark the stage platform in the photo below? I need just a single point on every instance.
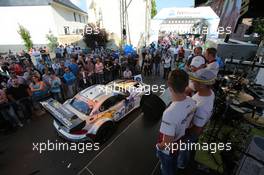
(131, 152)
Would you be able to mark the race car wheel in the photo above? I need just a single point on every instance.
(104, 132)
(152, 106)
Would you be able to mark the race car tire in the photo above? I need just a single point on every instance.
(152, 106)
(104, 132)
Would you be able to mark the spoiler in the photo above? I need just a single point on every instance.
(66, 118)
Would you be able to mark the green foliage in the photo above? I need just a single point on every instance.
(153, 8)
(25, 35)
(258, 26)
(52, 42)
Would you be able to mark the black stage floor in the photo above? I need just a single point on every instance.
(132, 152)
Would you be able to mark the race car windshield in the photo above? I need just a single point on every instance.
(81, 106)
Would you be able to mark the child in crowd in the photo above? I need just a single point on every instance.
(127, 74)
(204, 98)
(175, 120)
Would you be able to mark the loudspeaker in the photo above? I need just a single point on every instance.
(152, 106)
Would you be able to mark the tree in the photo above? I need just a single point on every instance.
(94, 36)
(25, 36)
(258, 27)
(52, 42)
(153, 8)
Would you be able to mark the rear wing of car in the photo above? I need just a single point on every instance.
(66, 118)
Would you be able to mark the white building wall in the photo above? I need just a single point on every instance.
(65, 17)
(37, 19)
(111, 17)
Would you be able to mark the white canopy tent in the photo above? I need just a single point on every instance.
(183, 21)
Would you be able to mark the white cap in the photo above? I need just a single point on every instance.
(197, 61)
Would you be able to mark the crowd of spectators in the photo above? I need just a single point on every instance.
(29, 77)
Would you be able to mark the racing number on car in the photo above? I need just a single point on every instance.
(120, 114)
(129, 105)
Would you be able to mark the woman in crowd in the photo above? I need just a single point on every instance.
(166, 65)
(46, 77)
(147, 65)
(99, 71)
(38, 88)
(90, 70)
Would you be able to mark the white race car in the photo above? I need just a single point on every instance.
(91, 113)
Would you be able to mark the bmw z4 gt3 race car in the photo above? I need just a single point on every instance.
(91, 114)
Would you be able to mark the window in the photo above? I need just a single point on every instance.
(74, 15)
(80, 19)
(111, 101)
(81, 106)
(66, 30)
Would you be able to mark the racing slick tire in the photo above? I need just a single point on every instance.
(152, 106)
(104, 132)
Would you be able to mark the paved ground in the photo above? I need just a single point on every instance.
(17, 156)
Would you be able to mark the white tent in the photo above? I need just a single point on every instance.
(184, 20)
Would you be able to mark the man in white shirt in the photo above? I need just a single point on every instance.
(175, 120)
(202, 80)
(204, 98)
(210, 56)
(198, 62)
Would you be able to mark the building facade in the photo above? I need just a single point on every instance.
(41, 17)
(116, 15)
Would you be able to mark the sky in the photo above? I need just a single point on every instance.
(160, 3)
(174, 3)
(80, 3)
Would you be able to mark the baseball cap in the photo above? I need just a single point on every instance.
(197, 61)
(203, 76)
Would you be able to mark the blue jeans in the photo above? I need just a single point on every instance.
(157, 68)
(168, 163)
(184, 156)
